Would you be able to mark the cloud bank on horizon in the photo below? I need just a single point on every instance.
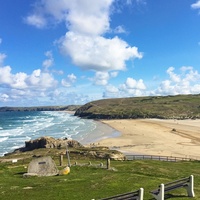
(91, 54)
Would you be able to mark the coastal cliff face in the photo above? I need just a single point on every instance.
(161, 107)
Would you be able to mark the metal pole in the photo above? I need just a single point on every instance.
(67, 152)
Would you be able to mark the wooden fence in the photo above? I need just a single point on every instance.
(161, 158)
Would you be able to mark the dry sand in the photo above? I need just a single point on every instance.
(180, 138)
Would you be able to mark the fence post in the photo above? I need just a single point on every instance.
(61, 159)
(108, 163)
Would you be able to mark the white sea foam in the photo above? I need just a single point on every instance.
(15, 147)
(3, 134)
(3, 139)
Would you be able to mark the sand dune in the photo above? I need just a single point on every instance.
(156, 137)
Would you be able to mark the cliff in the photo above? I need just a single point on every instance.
(163, 107)
(40, 108)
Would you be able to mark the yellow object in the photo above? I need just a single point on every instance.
(65, 171)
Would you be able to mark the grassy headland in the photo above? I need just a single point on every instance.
(40, 108)
(162, 107)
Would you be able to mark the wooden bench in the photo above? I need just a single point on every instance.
(187, 183)
(135, 195)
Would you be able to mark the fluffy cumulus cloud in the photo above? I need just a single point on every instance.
(69, 81)
(80, 16)
(87, 22)
(98, 53)
(196, 5)
(16, 86)
(186, 82)
(130, 88)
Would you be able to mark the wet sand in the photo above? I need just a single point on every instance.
(180, 138)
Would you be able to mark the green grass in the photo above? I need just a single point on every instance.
(88, 182)
(173, 107)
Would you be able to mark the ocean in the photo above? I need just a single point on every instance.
(18, 127)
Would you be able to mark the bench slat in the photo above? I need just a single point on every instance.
(184, 180)
(174, 187)
(129, 196)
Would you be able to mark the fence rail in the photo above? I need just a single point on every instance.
(161, 158)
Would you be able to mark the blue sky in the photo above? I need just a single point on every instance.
(71, 52)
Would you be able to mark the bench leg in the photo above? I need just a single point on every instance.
(141, 194)
(190, 187)
(161, 194)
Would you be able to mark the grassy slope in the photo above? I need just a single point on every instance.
(180, 106)
(86, 182)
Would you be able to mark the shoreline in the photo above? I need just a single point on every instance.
(177, 138)
(102, 131)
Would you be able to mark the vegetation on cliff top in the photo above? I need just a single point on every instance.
(163, 107)
(40, 108)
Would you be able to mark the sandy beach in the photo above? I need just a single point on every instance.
(180, 138)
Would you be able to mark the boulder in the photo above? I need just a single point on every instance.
(43, 166)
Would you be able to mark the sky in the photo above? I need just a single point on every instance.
(67, 52)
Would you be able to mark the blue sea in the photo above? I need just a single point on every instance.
(18, 127)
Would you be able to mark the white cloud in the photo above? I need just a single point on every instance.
(85, 14)
(21, 86)
(113, 74)
(129, 88)
(5, 75)
(119, 29)
(49, 61)
(174, 77)
(111, 91)
(127, 91)
(187, 82)
(2, 57)
(71, 78)
(4, 97)
(98, 53)
(196, 5)
(41, 80)
(101, 78)
(80, 16)
(133, 84)
(87, 22)
(36, 20)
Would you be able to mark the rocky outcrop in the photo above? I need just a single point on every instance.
(75, 148)
(49, 142)
(100, 152)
